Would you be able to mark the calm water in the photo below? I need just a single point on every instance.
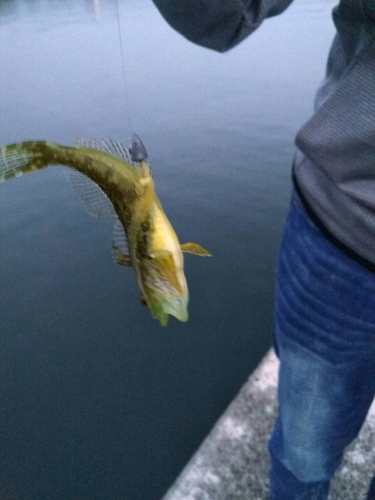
(97, 400)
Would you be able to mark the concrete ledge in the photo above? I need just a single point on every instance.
(232, 463)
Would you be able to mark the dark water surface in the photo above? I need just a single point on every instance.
(98, 402)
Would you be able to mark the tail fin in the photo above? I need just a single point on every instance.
(24, 157)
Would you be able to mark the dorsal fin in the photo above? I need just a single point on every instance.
(107, 146)
(93, 198)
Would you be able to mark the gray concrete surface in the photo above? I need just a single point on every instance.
(232, 463)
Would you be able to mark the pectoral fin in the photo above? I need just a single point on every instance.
(120, 245)
(195, 249)
(121, 258)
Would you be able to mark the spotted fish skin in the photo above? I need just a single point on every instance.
(119, 181)
(22, 158)
(154, 251)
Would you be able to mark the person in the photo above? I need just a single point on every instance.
(324, 326)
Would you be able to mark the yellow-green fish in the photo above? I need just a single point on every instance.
(122, 188)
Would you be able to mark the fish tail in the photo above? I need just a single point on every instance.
(24, 157)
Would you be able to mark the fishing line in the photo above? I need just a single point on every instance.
(125, 83)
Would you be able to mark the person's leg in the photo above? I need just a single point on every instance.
(371, 491)
(324, 334)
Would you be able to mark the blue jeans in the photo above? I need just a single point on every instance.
(324, 335)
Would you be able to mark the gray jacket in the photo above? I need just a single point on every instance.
(335, 163)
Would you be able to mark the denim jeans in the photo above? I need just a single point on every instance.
(324, 335)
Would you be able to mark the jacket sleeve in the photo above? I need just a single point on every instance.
(218, 24)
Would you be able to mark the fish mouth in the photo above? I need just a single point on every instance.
(173, 306)
(182, 316)
(178, 309)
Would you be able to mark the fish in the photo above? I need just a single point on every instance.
(116, 182)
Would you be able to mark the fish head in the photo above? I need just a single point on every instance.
(164, 296)
(163, 304)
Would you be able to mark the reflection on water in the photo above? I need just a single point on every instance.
(98, 401)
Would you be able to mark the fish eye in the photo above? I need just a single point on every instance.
(143, 301)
